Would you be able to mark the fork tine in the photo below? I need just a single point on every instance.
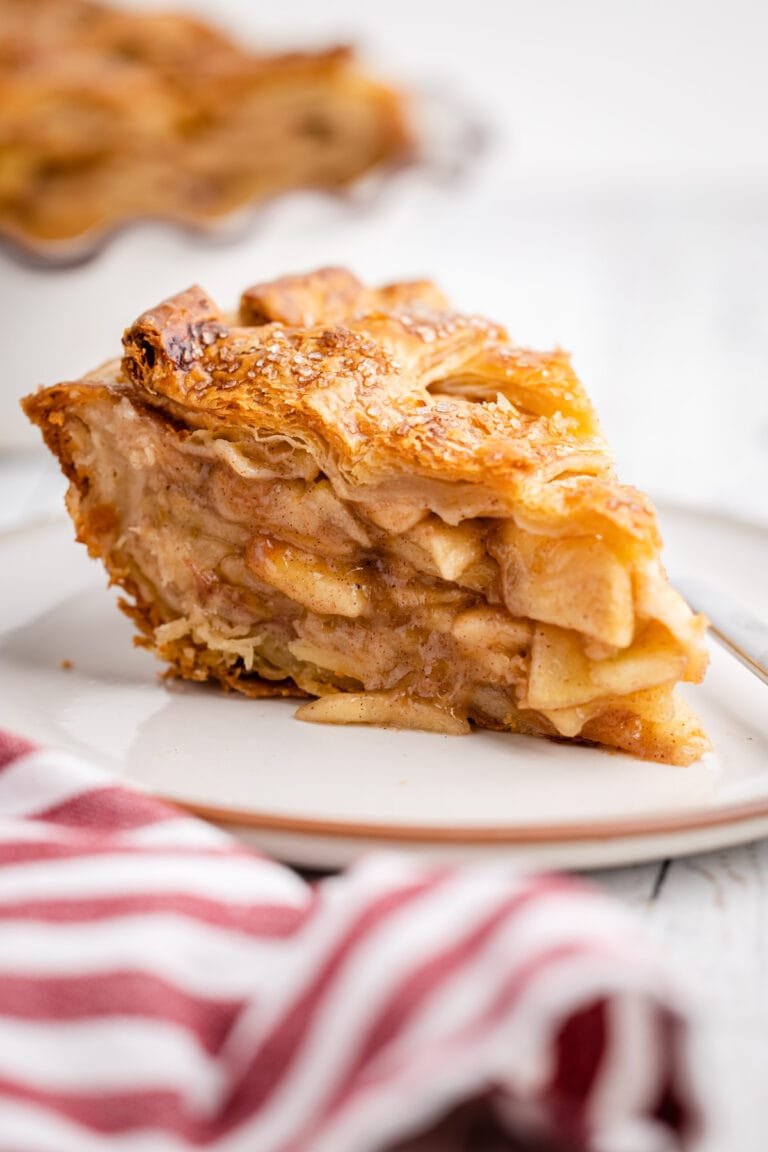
(742, 634)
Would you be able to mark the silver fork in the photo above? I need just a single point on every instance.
(741, 633)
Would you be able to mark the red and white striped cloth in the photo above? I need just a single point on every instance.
(162, 988)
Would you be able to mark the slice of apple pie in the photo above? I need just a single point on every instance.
(364, 497)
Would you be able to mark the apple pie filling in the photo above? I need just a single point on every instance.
(250, 558)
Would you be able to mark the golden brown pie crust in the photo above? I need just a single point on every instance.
(363, 496)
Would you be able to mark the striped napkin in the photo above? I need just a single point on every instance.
(162, 988)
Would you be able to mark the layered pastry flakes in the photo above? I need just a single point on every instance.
(108, 114)
(364, 497)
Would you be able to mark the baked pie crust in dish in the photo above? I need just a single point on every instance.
(364, 497)
(110, 114)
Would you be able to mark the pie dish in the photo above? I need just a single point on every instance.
(110, 114)
(364, 497)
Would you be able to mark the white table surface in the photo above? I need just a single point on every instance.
(621, 212)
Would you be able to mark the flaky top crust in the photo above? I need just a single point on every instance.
(383, 388)
(390, 392)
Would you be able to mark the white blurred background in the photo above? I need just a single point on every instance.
(620, 209)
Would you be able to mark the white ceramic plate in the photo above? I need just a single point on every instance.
(320, 795)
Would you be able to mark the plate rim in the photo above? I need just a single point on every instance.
(558, 833)
(464, 834)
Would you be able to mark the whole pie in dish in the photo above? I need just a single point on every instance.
(108, 114)
(364, 497)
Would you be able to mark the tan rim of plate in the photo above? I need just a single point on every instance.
(468, 834)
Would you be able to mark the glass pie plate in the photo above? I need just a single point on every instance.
(65, 303)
